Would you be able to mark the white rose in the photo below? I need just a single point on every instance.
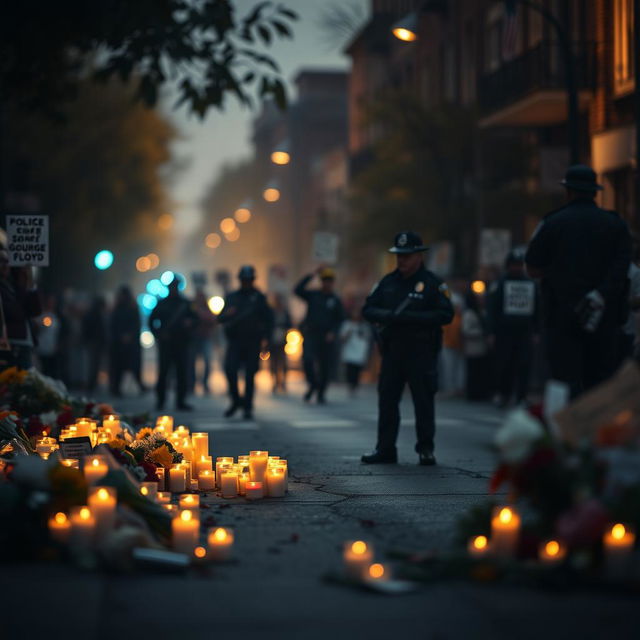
(516, 436)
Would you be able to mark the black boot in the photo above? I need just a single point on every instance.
(380, 457)
(426, 459)
(235, 405)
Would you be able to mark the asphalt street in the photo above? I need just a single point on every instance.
(285, 546)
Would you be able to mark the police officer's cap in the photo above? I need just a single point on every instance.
(247, 272)
(407, 242)
(580, 177)
(327, 274)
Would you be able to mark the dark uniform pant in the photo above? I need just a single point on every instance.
(581, 359)
(172, 355)
(417, 367)
(513, 356)
(316, 358)
(242, 355)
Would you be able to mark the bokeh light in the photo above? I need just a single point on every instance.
(271, 194)
(143, 264)
(479, 287)
(103, 259)
(216, 304)
(233, 235)
(242, 215)
(280, 157)
(165, 222)
(167, 278)
(154, 260)
(227, 225)
(147, 341)
(213, 240)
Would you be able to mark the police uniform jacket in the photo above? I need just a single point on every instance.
(325, 312)
(172, 320)
(247, 316)
(512, 305)
(581, 247)
(410, 310)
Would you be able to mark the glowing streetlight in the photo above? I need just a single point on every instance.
(103, 260)
(147, 341)
(154, 260)
(216, 305)
(143, 264)
(479, 287)
(227, 225)
(271, 194)
(213, 240)
(242, 215)
(280, 157)
(233, 235)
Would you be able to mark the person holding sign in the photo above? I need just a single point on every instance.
(20, 303)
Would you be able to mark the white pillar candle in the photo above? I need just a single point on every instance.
(618, 544)
(284, 465)
(189, 501)
(229, 483)
(186, 465)
(84, 427)
(149, 490)
(102, 502)
(182, 432)
(220, 544)
(254, 490)
(275, 482)
(552, 552)
(200, 443)
(95, 468)
(177, 479)
(505, 531)
(243, 460)
(478, 546)
(60, 527)
(222, 461)
(243, 478)
(161, 475)
(202, 463)
(112, 424)
(206, 481)
(164, 424)
(258, 465)
(185, 528)
(186, 450)
(357, 557)
(164, 497)
(83, 526)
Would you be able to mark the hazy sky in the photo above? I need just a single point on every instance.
(224, 136)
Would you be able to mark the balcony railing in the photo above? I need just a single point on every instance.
(540, 68)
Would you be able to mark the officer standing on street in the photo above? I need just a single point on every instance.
(320, 329)
(581, 253)
(248, 324)
(408, 306)
(512, 322)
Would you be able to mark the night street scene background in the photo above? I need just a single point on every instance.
(319, 319)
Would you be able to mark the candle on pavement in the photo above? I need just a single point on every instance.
(83, 526)
(102, 502)
(229, 483)
(60, 527)
(206, 481)
(177, 479)
(149, 490)
(220, 543)
(357, 557)
(95, 468)
(618, 544)
(185, 528)
(189, 501)
(258, 465)
(254, 490)
(200, 442)
(275, 482)
(552, 552)
(505, 531)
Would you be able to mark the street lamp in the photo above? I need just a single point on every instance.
(406, 29)
(281, 154)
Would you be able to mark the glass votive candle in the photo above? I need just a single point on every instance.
(164, 497)
(189, 501)
(254, 490)
(220, 543)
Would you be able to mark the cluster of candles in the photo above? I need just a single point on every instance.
(618, 542)
(358, 562)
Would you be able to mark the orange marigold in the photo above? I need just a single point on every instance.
(162, 456)
(143, 433)
(13, 375)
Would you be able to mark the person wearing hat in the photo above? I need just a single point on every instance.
(248, 324)
(581, 254)
(408, 306)
(512, 314)
(320, 328)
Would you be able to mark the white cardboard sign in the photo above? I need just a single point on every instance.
(28, 240)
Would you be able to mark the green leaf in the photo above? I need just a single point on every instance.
(264, 33)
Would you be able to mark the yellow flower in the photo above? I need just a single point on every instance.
(162, 456)
(13, 375)
(117, 443)
(143, 433)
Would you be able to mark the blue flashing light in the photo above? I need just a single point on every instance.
(103, 259)
(182, 282)
(156, 288)
(167, 278)
(148, 302)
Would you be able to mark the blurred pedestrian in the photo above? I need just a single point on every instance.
(50, 333)
(581, 253)
(452, 357)
(95, 334)
(248, 325)
(355, 337)
(281, 326)
(409, 306)
(19, 304)
(476, 349)
(202, 344)
(512, 315)
(320, 328)
(172, 323)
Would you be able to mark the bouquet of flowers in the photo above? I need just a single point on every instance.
(31, 393)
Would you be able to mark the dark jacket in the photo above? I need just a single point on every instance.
(19, 307)
(325, 312)
(579, 248)
(247, 316)
(173, 320)
(410, 310)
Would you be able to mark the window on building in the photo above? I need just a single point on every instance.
(623, 43)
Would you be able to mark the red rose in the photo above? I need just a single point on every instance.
(65, 418)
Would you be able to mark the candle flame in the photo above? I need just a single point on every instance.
(552, 548)
(60, 517)
(618, 531)
(480, 542)
(200, 552)
(95, 462)
(376, 570)
(44, 433)
(85, 513)
(220, 534)
(506, 515)
(144, 491)
(359, 547)
(186, 516)
(103, 494)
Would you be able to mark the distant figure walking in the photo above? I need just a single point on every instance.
(95, 337)
(202, 344)
(278, 358)
(325, 314)
(355, 336)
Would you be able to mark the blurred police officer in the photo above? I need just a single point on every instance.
(409, 307)
(512, 323)
(320, 328)
(248, 324)
(581, 253)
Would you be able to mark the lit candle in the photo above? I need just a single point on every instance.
(253, 490)
(83, 526)
(164, 497)
(202, 463)
(95, 468)
(84, 427)
(552, 552)
(376, 572)
(243, 460)
(149, 490)
(275, 482)
(206, 481)
(177, 479)
(60, 527)
(243, 478)
(258, 465)
(282, 464)
(187, 450)
(200, 443)
(229, 483)
(171, 508)
(478, 546)
(186, 466)
(162, 482)
(185, 528)
(222, 461)
(189, 501)
(505, 530)
(182, 432)
(220, 543)
(164, 424)
(357, 558)
(618, 546)
(46, 445)
(102, 502)
(112, 425)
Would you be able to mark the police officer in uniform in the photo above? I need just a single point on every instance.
(512, 323)
(248, 324)
(320, 328)
(581, 253)
(408, 306)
